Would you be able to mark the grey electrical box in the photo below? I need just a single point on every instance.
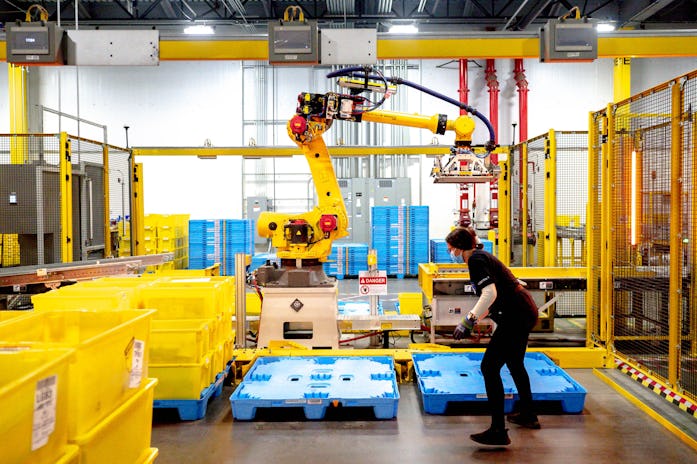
(34, 43)
(256, 206)
(361, 194)
(113, 48)
(32, 211)
(568, 40)
(391, 191)
(349, 46)
(293, 42)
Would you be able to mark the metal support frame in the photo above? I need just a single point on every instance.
(137, 215)
(504, 184)
(550, 186)
(591, 210)
(622, 78)
(106, 219)
(66, 189)
(676, 255)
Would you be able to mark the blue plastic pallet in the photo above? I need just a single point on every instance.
(456, 377)
(317, 383)
(195, 409)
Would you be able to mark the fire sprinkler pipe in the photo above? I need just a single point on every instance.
(522, 84)
(493, 85)
(463, 90)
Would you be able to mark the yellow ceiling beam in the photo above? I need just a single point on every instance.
(634, 44)
(191, 50)
(260, 152)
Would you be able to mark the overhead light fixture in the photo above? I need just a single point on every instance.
(199, 29)
(403, 29)
(605, 27)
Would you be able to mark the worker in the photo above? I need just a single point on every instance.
(511, 307)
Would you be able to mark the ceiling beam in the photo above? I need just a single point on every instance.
(646, 13)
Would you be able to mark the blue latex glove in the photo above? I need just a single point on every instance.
(464, 328)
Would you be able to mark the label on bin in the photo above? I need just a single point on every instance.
(137, 364)
(44, 411)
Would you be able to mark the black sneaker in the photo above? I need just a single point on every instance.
(492, 437)
(529, 422)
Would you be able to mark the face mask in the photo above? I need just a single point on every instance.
(456, 258)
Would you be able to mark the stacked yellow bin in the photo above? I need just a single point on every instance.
(34, 393)
(168, 233)
(109, 403)
(124, 233)
(192, 334)
(9, 250)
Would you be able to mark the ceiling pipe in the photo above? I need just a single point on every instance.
(532, 15)
(522, 85)
(463, 90)
(493, 85)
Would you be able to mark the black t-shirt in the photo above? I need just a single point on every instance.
(486, 269)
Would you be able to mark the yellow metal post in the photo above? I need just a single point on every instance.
(107, 218)
(693, 247)
(550, 199)
(505, 211)
(137, 214)
(591, 230)
(66, 189)
(606, 252)
(524, 200)
(17, 92)
(622, 79)
(675, 299)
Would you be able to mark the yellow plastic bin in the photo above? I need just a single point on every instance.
(179, 302)
(71, 455)
(124, 435)
(6, 315)
(148, 457)
(34, 397)
(111, 358)
(181, 381)
(223, 284)
(83, 298)
(180, 341)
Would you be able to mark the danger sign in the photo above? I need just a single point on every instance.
(372, 283)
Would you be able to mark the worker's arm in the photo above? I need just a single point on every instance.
(480, 310)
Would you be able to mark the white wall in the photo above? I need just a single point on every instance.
(188, 103)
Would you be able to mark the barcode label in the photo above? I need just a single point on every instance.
(44, 411)
(136, 374)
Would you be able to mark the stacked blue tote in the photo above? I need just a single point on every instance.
(439, 251)
(347, 259)
(205, 240)
(217, 241)
(400, 237)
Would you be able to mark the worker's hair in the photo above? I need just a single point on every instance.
(462, 238)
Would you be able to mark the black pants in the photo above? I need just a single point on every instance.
(507, 346)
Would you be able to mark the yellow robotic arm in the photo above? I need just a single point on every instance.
(307, 237)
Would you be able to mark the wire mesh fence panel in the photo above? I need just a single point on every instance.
(572, 197)
(641, 170)
(89, 223)
(593, 228)
(30, 200)
(536, 198)
(119, 201)
(517, 228)
(688, 333)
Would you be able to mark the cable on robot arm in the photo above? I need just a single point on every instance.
(361, 72)
(365, 70)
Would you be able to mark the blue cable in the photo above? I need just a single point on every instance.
(490, 145)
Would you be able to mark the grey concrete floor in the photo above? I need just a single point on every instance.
(609, 430)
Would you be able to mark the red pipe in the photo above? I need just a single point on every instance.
(522, 84)
(464, 90)
(493, 85)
